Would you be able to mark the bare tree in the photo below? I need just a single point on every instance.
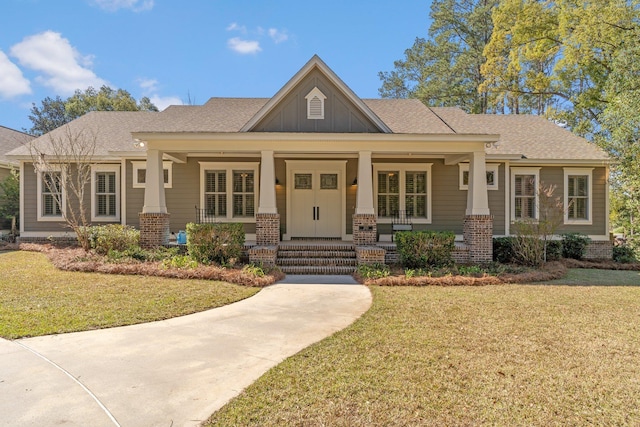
(533, 234)
(64, 163)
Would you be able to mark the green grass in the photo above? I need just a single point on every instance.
(595, 277)
(37, 299)
(510, 355)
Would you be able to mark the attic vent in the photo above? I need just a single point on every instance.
(315, 104)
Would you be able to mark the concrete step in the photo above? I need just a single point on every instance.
(313, 269)
(316, 254)
(316, 247)
(317, 261)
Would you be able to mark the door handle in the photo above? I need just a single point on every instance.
(314, 213)
(318, 214)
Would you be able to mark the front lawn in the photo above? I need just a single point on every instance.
(494, 355)
(38, 299)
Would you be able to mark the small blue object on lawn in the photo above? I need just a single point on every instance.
(182, 237)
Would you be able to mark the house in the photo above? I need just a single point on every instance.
(315, 161)
(9, 140)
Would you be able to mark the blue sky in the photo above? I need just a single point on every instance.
(169, 49)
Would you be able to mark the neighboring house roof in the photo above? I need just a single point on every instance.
(9, 140)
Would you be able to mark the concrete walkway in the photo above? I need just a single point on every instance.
(170, 373)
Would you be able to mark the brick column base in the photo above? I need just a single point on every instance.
(367, 255)
(154, 230)
(478, 236)
(267, 229)
(365, 229)
(263, 255)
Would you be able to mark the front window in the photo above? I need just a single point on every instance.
(229, 190)
(105, 192)
(578, 195)
(492, 176)
(51, 194)
(140, 174)
(403, 189)
(524, 193)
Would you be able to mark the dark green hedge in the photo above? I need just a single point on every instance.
(421, 249)
(221, 242)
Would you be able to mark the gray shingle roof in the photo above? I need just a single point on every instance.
(531, 136)
(9, 140)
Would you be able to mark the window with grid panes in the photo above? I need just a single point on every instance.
(243, 193)
(578, 197)
(416, 194)
(106, 193)
(51, 194)
(525, 196)
(215, 193)
(388, 193)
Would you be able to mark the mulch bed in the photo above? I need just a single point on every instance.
(550, 271)
(75, 259)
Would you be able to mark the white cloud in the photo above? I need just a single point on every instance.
(148, 85)
(244, 46)
(278, 36)
(134, 5)
(235, 27)
(163, 102)
(12, 82)
(64, 68)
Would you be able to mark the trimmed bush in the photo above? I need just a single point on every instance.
(574, 245)
(503, 251)
(221, 242)
(624, 254)
(113, 237)
(420, 249)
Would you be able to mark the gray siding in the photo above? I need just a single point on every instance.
(340, 114)
(555, 176)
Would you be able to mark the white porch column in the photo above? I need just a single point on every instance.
(477, 198)
(267, 203)
(154, 201)
(364, 198)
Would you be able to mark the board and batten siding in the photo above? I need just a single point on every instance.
(340, 114)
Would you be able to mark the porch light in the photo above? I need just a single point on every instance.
(138, 143)
(355, 181)
(277, 181)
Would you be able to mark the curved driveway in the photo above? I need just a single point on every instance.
(175, 372)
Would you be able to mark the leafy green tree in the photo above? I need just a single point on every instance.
(56, 112)
(554, 57)
(444, 69)
(10, 196)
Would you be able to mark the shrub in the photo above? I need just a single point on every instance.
(254, 270)
(373, 271)
(574, 245)
(113, 237)
(420, 249)
(179, 261)
(504, 252)
(624, 254)
(221, 242)
(139, 254)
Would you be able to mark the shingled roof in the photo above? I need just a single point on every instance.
(520, 135)
(9, 140)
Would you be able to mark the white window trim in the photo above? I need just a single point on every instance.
(578, 171)
(51, 218)
(524, 171)
(229, 168)
(94, 211)
(315, 92)
(402, 168)
(491, 167)
(143, 165)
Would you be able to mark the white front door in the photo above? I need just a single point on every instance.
(315, 199)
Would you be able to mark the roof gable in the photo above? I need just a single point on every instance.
(287, 110)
